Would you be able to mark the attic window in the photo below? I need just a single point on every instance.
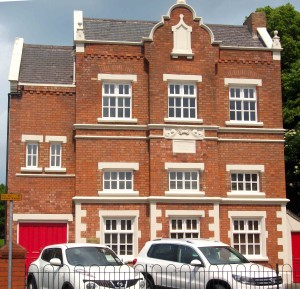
(182, 40)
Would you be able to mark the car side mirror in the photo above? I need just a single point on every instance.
(55, 262)
(196, 263)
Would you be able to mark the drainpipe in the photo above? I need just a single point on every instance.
(18, 93)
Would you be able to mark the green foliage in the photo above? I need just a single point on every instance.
(286, 20)
(2, 213)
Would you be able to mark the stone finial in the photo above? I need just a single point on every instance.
(276, 40)
(181, 2)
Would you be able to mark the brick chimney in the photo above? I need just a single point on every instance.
(255, 20)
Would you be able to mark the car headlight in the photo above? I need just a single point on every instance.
(244, 279)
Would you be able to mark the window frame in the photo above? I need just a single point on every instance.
(184, 180)
(56, 140)
(121, 214)
(118, 167)
(184, 230)
(118, 180)
(244, 170)
(243, 100)
(182, 96)
(251, 215)
(243, 83)
(30, 139)
(55, 155)
(118, 231)
(122, 79)
(32, 155)
(116, 95)
(185, 168)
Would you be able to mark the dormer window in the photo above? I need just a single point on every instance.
(182, 45)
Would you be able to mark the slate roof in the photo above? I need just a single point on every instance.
(43, 64)
(116, 30)
(234, 35)
(134, 31)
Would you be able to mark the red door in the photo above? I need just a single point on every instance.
(35, 236)
(296, 256)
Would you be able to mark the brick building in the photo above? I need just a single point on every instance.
(150, 129)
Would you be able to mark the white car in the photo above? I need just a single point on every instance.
(201, 264)
(81, 266)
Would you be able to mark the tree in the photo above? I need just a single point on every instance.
(2, 213)
(286, 20)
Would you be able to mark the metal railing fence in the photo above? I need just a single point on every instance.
(156, 276)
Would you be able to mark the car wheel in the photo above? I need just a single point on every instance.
(219, 286)
(68, 286)
(149, 282)
(31, 283)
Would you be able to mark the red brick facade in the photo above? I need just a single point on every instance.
(150, 140)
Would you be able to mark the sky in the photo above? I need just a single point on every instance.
(51, 22)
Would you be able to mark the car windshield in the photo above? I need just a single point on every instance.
(223, 255)
(90, 256)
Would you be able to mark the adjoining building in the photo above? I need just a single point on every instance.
(146, 129)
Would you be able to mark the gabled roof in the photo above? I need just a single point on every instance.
(109, 30)
(43, 64)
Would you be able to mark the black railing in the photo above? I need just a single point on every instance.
(156, 276)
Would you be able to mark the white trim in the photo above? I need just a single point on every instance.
(253, 168)
(50, 138)
(120, 165)
(247, 214)
(183, 120)
(242, 81)
(31, 138)
(110, 137)
(47, 84)
(276, 55)
(184, 166)
(246, 194)
(185, 213)
(119, 193)
(263, 33)
(43, 217)
(119, 213)
(179, 200)
(154, 225)
(79, 226)
(182, 77)
(117, 120)
(55, 170)
(45, 175)
(110, 126)
(243, 123)
(14, 69)
(117, 77)
(184, 193)
(31, 170)
(78, 18)
(250, 140)
(215, 225)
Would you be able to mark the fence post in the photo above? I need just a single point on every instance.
(277, 274)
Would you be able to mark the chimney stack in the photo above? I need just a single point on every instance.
(254, 21)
